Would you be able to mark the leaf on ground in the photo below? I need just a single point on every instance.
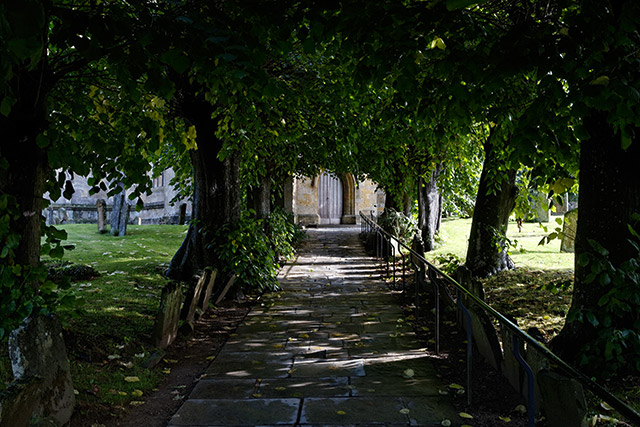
(408, 373)
(446, 423)
(456, 386)
(166, 371)
(340, 412)
(211, 357)
(137, 393)
(465, 415)
(132, 379)
(521, 408)
(281, 388)
(304, 335)
(404, 411)
(136, 402)
(123, 393)
(171, 361)
(505, 419)
(606, 406)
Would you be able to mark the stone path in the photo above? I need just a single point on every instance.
(330, 349)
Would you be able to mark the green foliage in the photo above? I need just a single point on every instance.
(615, 318)
(448, 262)
(24, 289)
(254, 254)
(284, 234)
(399, 225)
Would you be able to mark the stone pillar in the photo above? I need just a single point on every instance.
(101, 207)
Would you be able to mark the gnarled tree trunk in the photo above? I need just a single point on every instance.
(26, 164)
(609, 196)
(217, 194)
(487, 252)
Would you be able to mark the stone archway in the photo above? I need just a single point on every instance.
(332, 211)
(348, 199)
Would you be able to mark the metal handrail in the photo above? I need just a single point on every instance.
(615, 402)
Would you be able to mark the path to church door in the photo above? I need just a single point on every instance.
(329, 199)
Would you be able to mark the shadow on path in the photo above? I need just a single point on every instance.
(331, 348)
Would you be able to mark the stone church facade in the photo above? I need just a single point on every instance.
(331, 199)
(324, 199)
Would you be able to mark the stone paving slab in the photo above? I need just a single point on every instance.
(236, 412)
(330, 349)
(362, 411)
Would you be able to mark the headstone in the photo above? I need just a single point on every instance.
(120, 213)
(540, 207)
(569, 227)
(37, 350)
(165, 329)
(563, 400)
(485, 337)
(101, 207)
(192, 298)
(512, 369)
(205, 295)
(182, 216)
(560, 208)
(226, 288)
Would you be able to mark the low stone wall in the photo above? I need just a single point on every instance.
(152, 213)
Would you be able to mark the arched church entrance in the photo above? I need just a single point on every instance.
(330, 198)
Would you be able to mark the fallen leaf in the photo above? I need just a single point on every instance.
(280, 388)
(256, 395)
(446, 423)
(211, 357)
(304, 335)
(132, 379)
(465, 415)
(171, 361)
(456, 386)
(136, 393)
(340, 412)
(606, 406)
(123, 393)
(166, 371)
(408, 373)
(505, 419)
(521, 408)
(136, 402)
(404, 411)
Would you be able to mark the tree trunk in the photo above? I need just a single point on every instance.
(217, 194)
(407, 204)
(261, 198)
(609, 196)
(26, 166)
(429, 208)
(487, 252)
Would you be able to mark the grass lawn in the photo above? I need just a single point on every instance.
(538, 292)
(111, 340)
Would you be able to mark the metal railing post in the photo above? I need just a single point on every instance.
(530, 391)
(469, 346)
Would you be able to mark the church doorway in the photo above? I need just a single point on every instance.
(330, 198)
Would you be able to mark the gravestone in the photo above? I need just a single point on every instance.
(226, 288)
(165, 329)
(563, 399)
(192, 298)
(101, 207)
(569, 228)
(512, 369)
(182, 215)
(38, 354)
(120, 213)
(205, 295)
(540, 207)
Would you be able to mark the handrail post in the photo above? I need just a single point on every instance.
(469, 346)
(530, 391)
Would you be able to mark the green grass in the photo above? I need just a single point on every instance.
(112, 337)
(454, 238)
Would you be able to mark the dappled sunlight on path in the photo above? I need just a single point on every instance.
(331, 348)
